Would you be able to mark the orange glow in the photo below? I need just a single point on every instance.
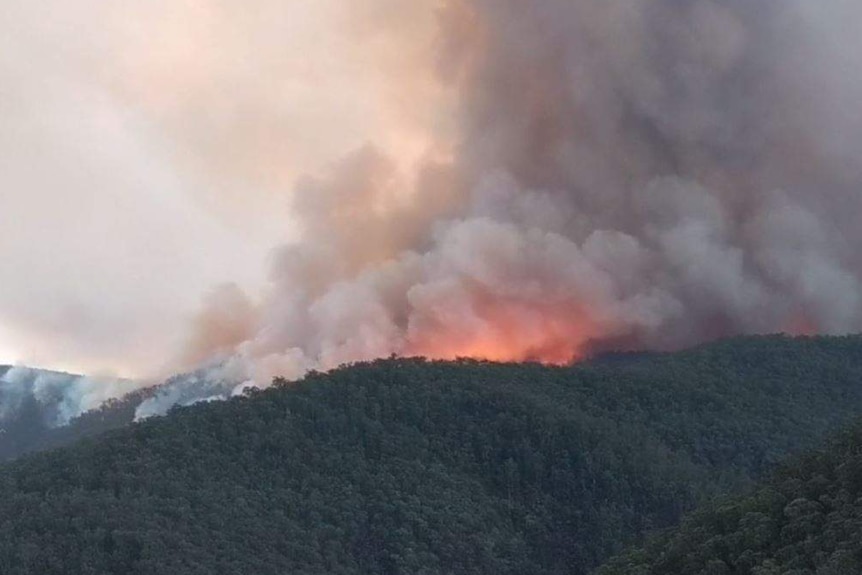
(505, 331)
(801, 324)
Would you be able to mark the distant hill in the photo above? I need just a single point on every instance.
(410, 466)
(806, 520)
(35, 413)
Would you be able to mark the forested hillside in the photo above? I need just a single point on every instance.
(806, 520)
(410, 466)
(29, 423)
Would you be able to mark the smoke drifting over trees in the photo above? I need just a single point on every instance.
(642, 174)
(590, 174)
(57, 398)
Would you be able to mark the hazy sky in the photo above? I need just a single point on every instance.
(148, 149)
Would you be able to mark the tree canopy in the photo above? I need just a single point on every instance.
(412, 466)
(805, 520)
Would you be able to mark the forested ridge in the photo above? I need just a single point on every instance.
(805, 520)
(410, 466)
(28, 424)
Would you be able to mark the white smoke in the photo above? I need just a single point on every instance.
(61, 396)
(146, 149)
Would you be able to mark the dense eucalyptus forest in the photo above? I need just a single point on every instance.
(405, 466)
(805, 520)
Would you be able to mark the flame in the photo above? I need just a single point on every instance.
(506, 331)
(801, 324)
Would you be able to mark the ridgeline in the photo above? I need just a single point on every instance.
(406, 466)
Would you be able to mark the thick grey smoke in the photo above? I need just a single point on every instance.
(648, 173)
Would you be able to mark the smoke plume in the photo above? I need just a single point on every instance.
(59, 397)
(644, 174)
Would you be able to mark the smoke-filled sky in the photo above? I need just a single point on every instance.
(148, 150)
(271, 186)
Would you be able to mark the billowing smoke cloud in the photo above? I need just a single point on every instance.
(531, 179)
(641, 174)
(146, 150)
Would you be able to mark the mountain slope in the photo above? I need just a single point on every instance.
(36, 413)
(806, 520)
(406, 466)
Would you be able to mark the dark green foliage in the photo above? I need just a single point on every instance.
(407, 466)
(806, 520)
(29, 427)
